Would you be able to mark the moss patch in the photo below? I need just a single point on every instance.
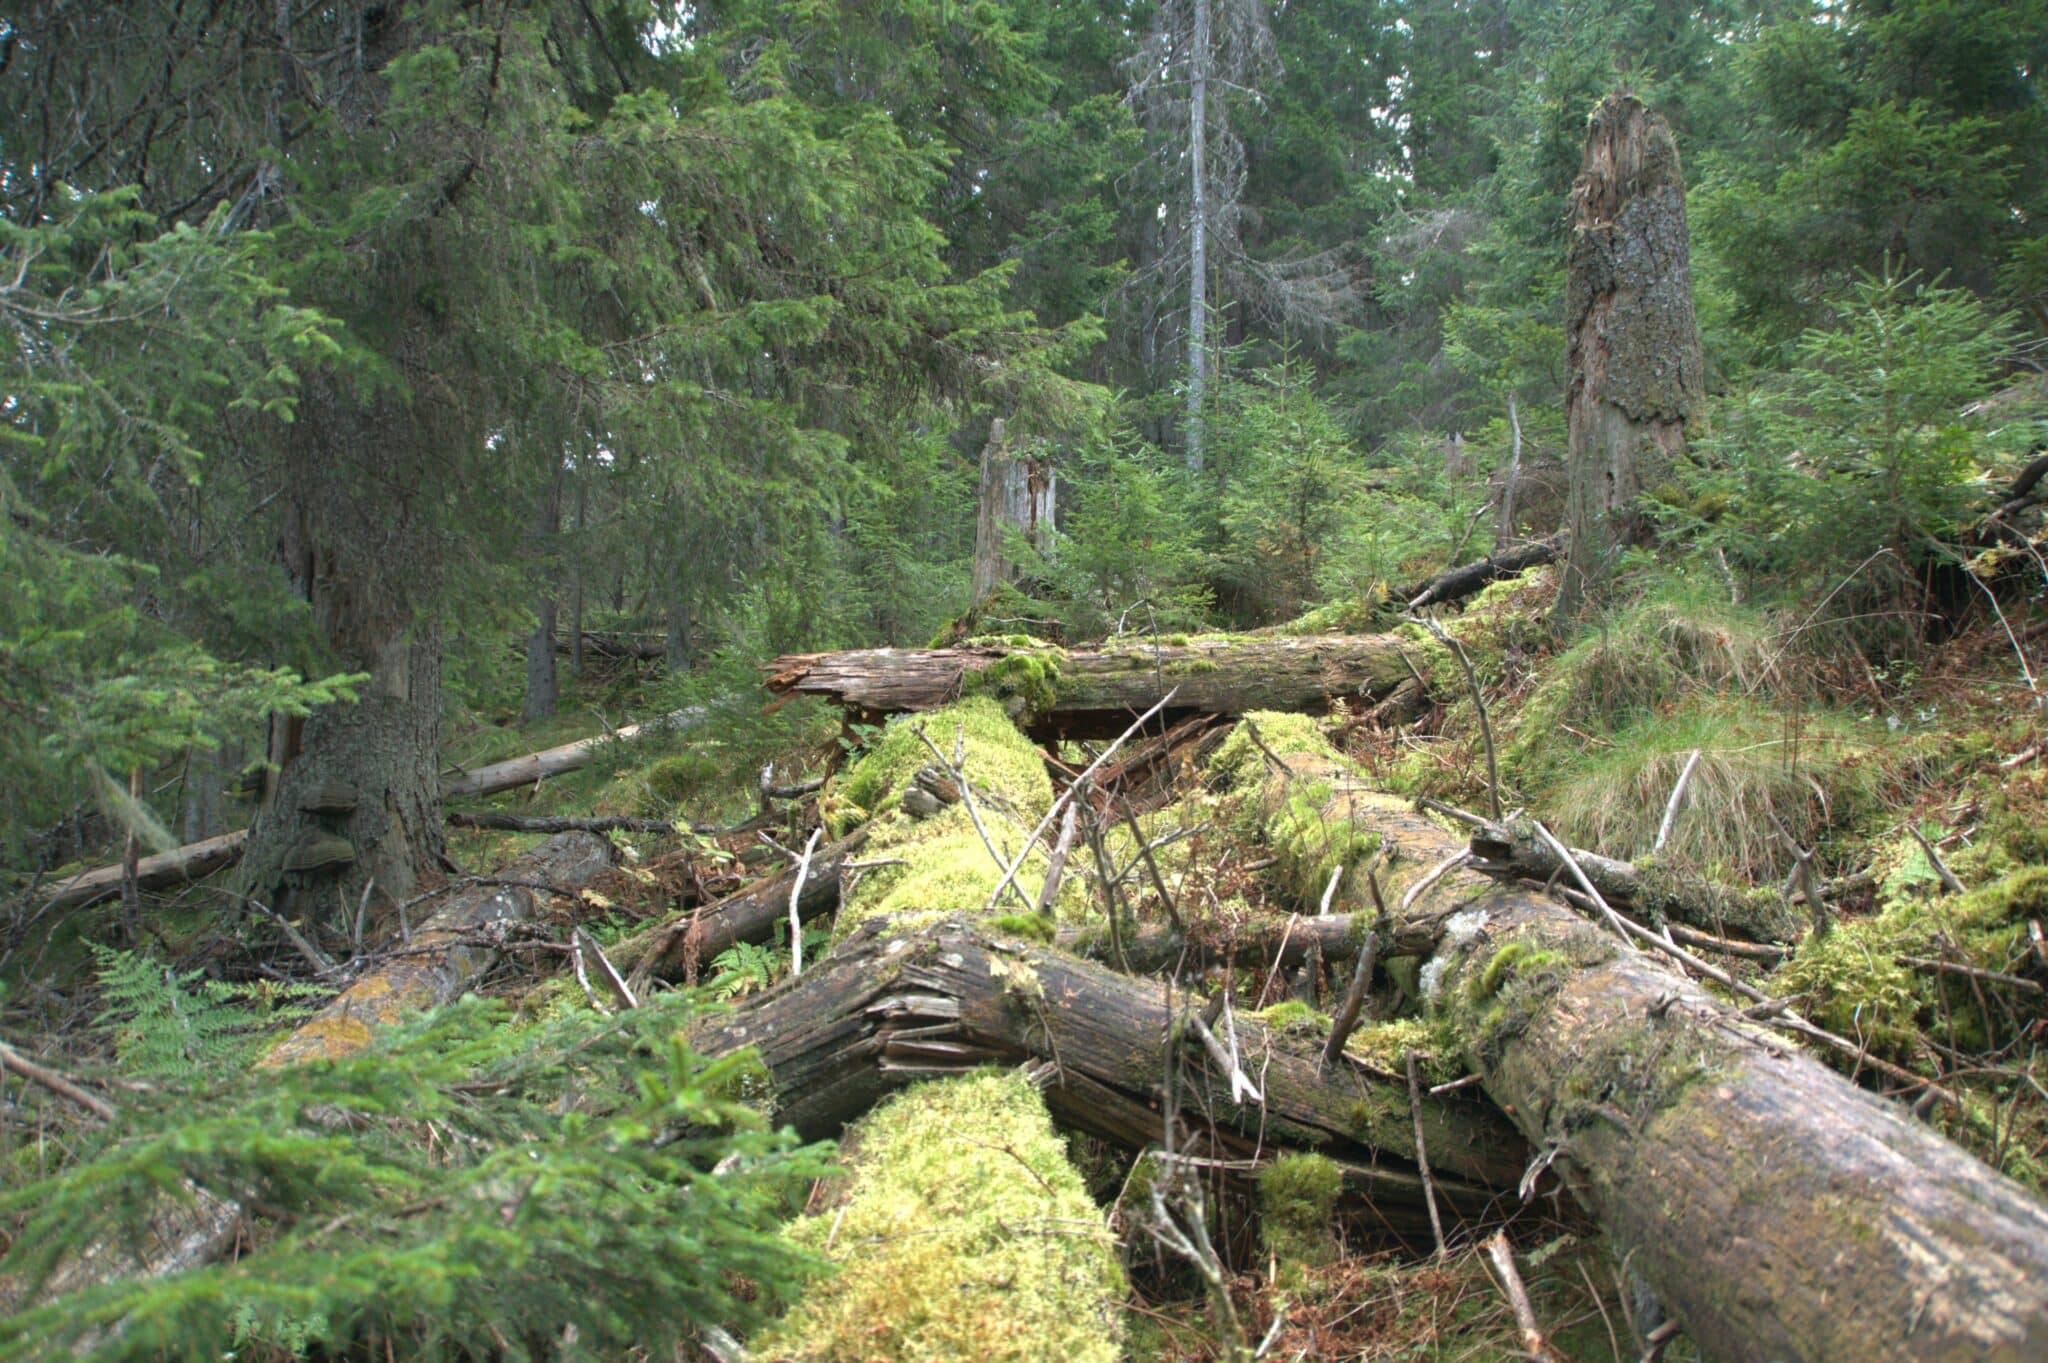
(966, 1234)
(1296, 1193)
(1026, 682)
(999, 759)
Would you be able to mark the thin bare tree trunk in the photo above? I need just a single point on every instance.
(1198, 232)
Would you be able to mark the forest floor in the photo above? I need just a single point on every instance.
(1900, 784)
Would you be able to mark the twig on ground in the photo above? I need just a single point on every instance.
(11, 1059)
(1671, 807)
(1436, 1225)
(1948, 877)
(321, 962)
(1049, 892)
(796, 894)
(1534, 1343)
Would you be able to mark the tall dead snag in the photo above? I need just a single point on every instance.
(1016, 498)
(1779, 1211)
(1635, 375)
(1095, 691)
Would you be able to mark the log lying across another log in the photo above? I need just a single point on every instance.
(1778, 1210)
(1082, 692)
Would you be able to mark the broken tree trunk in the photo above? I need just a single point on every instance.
(1096, 691)
(443, 957)
(1779, 1211)
(525, 770)
(1016, 499)
(440, 959)
(193, 861)
(1635, 376)
(1456, 584)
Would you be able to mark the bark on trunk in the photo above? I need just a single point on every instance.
(1016, 498)
(1097, 691)
(1779, 1211)
(676, 639)
(1635, 375)
(543, 689)
(896, 1008)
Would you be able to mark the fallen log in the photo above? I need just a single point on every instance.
(193, 861)
(672, 950)
(447, 953)
(615, 644)
(1455, 584)
(525, 770)
(894, 1008)
(1082, 692)
(557, 823)
(1778, 1210)
(1512, 848)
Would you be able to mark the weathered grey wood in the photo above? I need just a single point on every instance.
(1098, 690)
(898, 1007)
(1635, 376)
(1017, 497)
(525, 770)
(193, 861)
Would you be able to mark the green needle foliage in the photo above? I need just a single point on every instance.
(467, 1190)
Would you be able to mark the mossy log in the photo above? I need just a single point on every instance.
(1778, 1210)
(1084, 692)
(1513, 848)
(444, 958)
(891, 1008)
(445, 954)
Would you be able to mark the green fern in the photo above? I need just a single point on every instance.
(168, 1024)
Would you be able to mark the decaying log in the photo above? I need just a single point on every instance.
(193, 861)
(1456, 584)
(615, 644)
(445, 958)
(525, 770)
(946, 999)
(448, 951)
(672, 950)
(1779, 1211)
(1512, 848)
(1096, 691)
(556, 823)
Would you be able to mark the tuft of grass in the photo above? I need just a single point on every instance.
(1760, 767)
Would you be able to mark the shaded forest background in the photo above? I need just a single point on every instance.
(394, 388)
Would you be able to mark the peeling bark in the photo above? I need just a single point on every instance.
(1636, 379)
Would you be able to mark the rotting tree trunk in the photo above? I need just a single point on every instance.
(893, 1008)
(448, 952)
(1016, 499)
(1635, 377)
(531, 767)
(1780, 1212)
(1085, 692)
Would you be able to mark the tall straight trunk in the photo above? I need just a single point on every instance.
(576, 575)
(676, 637)
(1635, 375)
(1198, 232)
(357, 790)
(199, 808)
(1504, 528)
(543, 689)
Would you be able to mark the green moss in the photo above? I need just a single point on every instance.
(1296, 1193)
(966, 1234)
(1357, 615)
(1027, 680)
(1385, 1046)
(1513, 958)
(1034, 927)
(675, 779)
(1294, 1018)
(1000, 759)
(1239, 760)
